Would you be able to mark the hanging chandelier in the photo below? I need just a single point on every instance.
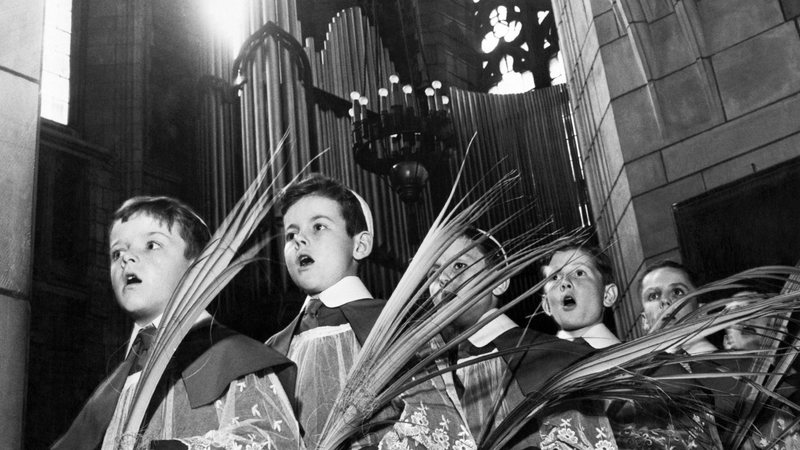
(408, 136)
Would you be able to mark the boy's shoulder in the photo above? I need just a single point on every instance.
(362, 315)
(535, 356)
(212, 355)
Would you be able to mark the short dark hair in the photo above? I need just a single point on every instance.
(323, 186)
(666, 264)
(193, 230)
(489, 247)
(598, 256)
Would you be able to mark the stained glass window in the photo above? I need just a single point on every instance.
(520, 44)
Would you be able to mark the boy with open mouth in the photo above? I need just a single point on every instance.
(216, 375)
(579, 288)
(328, 233)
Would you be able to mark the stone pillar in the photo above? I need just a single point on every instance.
(20, 71)
(672, 99)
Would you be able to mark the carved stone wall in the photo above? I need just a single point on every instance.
(20, 71)
(673, 98)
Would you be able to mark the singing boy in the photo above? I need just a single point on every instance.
(219, 390)
(328, 233)
(484, 384)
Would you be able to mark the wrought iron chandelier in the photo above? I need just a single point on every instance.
(406, 138)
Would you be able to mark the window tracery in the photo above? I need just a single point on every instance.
(520, 44)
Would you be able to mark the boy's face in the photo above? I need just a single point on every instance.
(660, 289)
(318, 250)
(457, 273)
(574, 290)
(147, 261)
(747, 335)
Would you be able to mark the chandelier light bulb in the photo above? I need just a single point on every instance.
(408, 89)
(394, 79)
(436, 84)
(445, 100)
(383, 92)
(363, 100)
(355, 95)
(429, 92)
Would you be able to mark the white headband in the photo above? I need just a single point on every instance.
(366, 211)
(496, 242)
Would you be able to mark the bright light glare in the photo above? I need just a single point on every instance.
(227, 21)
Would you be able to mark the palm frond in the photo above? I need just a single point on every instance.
(634, 370)
(228, 251)
(753, 401)
(393, 342)
(389, 361)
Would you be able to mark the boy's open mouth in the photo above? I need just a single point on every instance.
(131, 279)
(305, 260)
(568, 302)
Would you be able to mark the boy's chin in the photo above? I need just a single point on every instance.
(310, 288)
(573, 323)
(140, 310)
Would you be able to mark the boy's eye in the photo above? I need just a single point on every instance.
(580, 272)
(653, 296)
(459, 266)
(152, 245)
(115, 255)
(290, 236)
(319, 226)
(678, 292)
(554, 277)
(749, 330)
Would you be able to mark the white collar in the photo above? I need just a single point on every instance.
(491, 330)
(344, 291)
(597, 336)
(204, 315)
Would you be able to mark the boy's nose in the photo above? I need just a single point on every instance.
(444, 278)
(565, 284)
(127, 257)
(300, 239)
(729, 340)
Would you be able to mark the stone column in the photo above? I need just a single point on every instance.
(671, 100)
(20, 71)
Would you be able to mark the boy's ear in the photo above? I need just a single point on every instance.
(546, 306)
(610, 293)
(501, 288)
(362, 245)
